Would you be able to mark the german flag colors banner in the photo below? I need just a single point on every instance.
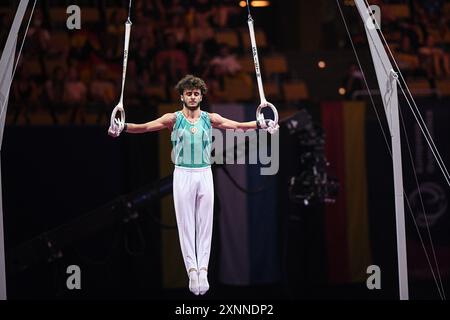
(347, 221)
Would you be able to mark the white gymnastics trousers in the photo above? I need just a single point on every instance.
(193, 195)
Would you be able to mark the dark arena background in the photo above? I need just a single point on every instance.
(323, 227)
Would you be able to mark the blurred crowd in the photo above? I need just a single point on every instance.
(418, 35)
(78, 73)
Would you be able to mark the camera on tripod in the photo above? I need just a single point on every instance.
(311, 184)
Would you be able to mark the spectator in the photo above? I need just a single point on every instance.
(23, 88)
(75, 94)
(143, 54)
(102, 91)
(177, 28)
(54, 93)
(353, 81)
(199, 58)
(226, 62)
(171, 63)
(204, 12)
(39, 41)
(115, 31)
(435, 61)
(142, 26)
(216, 83)
(433, 8)
(133, 91)
(176, 9)
(227, 14)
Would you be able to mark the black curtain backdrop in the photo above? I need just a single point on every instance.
(52, 175)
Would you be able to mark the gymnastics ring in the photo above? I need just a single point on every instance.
(118, 108)
(260, 116)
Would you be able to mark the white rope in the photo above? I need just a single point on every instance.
(271, 125)
(116, 126)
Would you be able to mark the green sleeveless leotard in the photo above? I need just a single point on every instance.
(192, 141)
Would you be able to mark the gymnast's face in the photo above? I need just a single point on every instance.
(191, 98)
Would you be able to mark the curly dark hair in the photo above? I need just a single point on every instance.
(190, 82)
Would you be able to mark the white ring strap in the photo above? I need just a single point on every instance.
(264, 103)
(119, 107)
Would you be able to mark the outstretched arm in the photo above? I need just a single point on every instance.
(165, 121)
(217, 121)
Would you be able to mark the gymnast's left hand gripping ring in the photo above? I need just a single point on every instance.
(260, 116)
